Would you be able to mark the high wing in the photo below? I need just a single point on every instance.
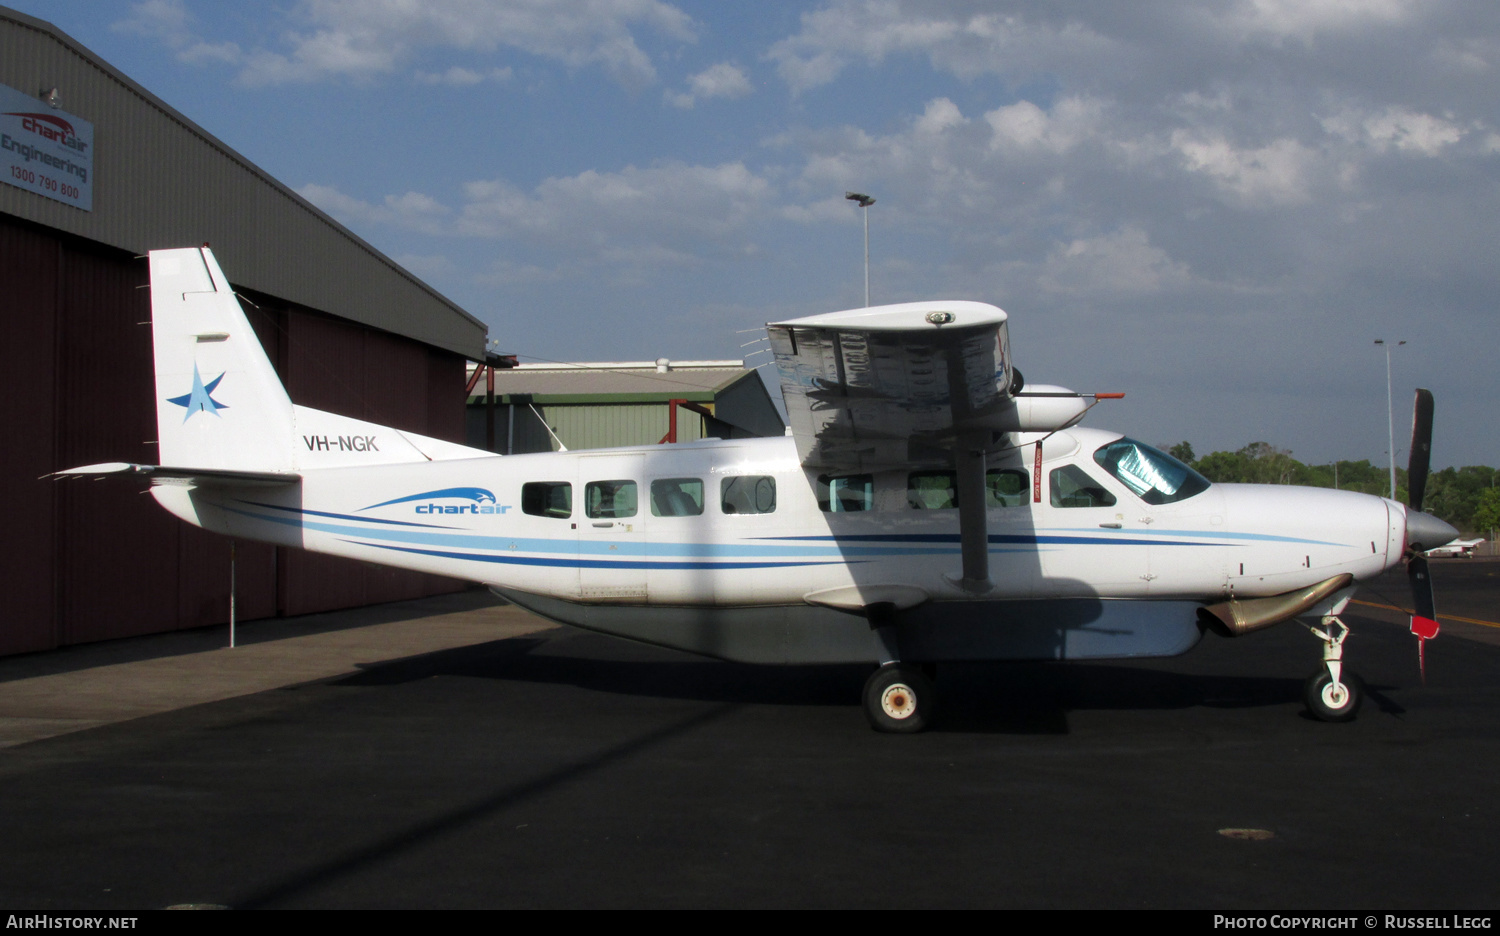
(898, 386)
(920, 385)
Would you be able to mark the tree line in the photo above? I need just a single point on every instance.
(1465, 497)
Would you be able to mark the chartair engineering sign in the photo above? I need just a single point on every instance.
(46, 151)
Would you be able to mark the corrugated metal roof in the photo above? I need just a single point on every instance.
(633, 382)
(162, 181)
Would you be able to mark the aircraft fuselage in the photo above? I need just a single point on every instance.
(681, 531)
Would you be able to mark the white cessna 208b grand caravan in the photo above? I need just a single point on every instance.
(923, 508)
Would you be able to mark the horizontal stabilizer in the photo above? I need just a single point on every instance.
(208, 477)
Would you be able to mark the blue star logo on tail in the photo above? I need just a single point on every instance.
(200, 400)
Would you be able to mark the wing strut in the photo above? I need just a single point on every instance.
(973, 522)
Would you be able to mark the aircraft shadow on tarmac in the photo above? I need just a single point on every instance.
(1005, 698)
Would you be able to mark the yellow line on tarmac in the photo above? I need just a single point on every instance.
(1450, 617)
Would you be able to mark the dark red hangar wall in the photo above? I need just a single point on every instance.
(83, 560)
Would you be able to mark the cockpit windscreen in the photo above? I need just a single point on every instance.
(1153, 475)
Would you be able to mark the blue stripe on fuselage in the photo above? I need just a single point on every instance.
(338, 516)
(601, 547)
(591, 563)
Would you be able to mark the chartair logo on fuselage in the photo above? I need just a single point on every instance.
(481, 501)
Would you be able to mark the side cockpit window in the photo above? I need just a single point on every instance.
(1071, 486)
(1151, 474)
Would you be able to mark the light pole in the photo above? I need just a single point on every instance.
(1390, 412)
(864, 202)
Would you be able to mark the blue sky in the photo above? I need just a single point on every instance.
(1215, 207)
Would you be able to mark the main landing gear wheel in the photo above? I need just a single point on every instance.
(1330, 701)
(899, 698)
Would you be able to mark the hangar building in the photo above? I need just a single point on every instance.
(603, 405)
(97, 171)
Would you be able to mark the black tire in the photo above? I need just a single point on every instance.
(1323, 703)
(899, 699)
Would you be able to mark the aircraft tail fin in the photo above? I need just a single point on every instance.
(219, 403)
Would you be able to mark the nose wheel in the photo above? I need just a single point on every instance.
(899, 698)
(1333, 694)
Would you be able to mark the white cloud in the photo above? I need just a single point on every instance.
(936, 144)
(412, 210)
(1276, 174)
(834, 209)
(198, 53)
(671, 214)
(1121, 262)
(677, 205)
(1025, 127)
(170, 23)
(940, 115)
(1396, 128)
(721, 80)
(462, 77)
(163, 18)
(366, 39)
(963, 39)
(1303, 19)
(509, 273)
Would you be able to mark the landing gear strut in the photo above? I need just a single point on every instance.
(1333, 694)
(900, 698)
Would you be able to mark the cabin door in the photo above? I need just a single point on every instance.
(611, 534)
(1089, 537)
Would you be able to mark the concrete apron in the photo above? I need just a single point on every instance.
(43, 695)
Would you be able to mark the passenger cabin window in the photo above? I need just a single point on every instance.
(1151, 474)
(676, 497)
(1007, 487)
(547, 499)
(748, 494)
(846, 493)
(931, 490)
(610, 500)
(1072, 487)
(938, 490)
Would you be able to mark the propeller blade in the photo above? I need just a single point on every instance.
(1421, 448)
(1424, 611)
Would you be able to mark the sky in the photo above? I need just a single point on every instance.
(1215, 207)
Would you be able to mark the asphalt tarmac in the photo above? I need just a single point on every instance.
(559, 769)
